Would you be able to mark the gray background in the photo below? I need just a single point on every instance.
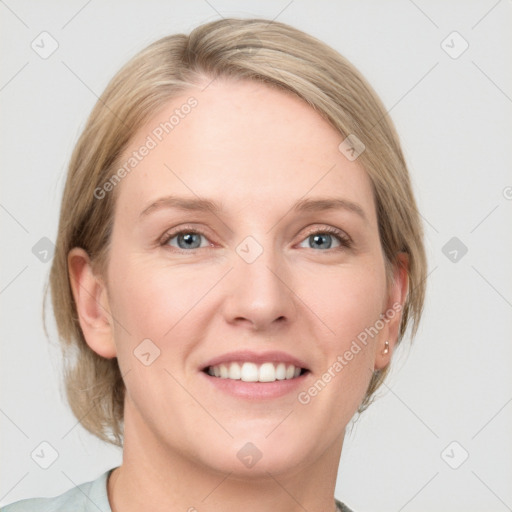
(454, 119)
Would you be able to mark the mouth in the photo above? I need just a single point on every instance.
(253, 376)
(248, 371)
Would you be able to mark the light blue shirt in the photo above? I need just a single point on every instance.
(88, 497)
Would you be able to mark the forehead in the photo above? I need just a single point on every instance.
(241, 143)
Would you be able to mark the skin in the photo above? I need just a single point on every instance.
(256, 151)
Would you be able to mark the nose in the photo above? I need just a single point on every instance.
(259, 293)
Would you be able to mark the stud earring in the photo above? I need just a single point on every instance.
(386, 347)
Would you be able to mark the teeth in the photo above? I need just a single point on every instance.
(251, 372)
(281, 371)
(267, 373)
(224, 372)
(235, 371)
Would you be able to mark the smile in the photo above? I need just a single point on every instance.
(252, 372)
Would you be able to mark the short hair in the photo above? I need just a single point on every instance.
(271, 53)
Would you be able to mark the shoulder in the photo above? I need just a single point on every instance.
(88, 497)
(341, 507)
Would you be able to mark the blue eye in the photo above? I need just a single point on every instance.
(185, 240)
(321, 238)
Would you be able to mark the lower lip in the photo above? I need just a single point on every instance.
(257, 390)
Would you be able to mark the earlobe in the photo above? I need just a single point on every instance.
(91, 299)
(393, 313)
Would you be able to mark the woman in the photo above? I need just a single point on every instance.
(239, 254)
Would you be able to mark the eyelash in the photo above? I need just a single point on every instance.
(343, 239)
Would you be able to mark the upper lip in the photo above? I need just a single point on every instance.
(255, 357)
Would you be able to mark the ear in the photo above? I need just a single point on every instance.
(393, 312)
(91, 299)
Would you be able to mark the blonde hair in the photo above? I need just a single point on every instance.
(253, 49)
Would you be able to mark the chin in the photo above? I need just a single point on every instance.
(251, 455)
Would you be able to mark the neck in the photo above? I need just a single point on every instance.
(155, 478)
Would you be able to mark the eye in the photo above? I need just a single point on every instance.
(323, 238)
(185, 240)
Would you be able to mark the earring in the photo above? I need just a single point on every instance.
(386, 347)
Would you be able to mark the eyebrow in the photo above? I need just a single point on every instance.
(205, 205)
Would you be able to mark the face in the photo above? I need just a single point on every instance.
(245, 268)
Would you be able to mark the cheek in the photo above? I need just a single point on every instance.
(349, 303)
(168, 305)
(149, 299)
(347, 299)
(153, 302)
